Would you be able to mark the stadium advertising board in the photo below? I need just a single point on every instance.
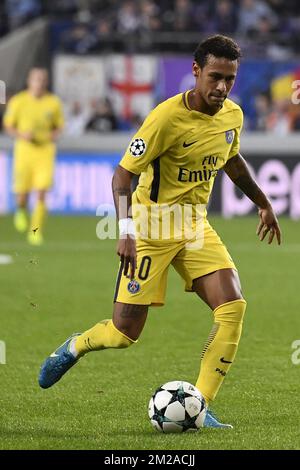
(279, 178)
(83, 182)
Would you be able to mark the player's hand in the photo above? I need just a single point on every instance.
(126, 249)
(268, 224)
(55, 135)
(28, 136)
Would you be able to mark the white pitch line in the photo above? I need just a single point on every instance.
(6, 259)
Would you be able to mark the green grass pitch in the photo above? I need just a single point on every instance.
(67, 286)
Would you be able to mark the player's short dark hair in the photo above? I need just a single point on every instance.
(218, 46)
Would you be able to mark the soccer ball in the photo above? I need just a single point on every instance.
(177, 407)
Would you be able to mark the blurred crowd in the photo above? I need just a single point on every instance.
(274, 117)
(264, 26)
(268, 29)
(99, 116)
(278, 117)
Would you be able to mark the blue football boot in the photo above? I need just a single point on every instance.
(57, 364)
(211, 421)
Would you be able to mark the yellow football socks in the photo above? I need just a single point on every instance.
(21, 220)
(38, 217)
(35, 235)
(103, 335)
(221, 347)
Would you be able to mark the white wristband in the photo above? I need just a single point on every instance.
(126, 227)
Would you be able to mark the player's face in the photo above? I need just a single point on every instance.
(38, 81)
(215, 80)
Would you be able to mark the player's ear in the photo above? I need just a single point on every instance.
(196, 69)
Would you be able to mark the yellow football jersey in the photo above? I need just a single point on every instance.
(37, 115)
(178, 151)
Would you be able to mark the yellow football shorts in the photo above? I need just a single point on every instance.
(154, 259)
(33, 167)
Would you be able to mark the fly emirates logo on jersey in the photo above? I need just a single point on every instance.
(209, 170)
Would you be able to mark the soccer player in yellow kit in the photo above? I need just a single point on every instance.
(34, 118)
(177, 152)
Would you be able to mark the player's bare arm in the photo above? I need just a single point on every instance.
(56, 133)
(238, 171)
(126, 247)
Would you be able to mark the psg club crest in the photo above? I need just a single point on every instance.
(133, 286)
(229, 136)
(137, 147)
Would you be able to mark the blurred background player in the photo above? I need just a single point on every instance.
(34, 118)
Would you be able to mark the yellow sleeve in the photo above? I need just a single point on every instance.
(235, 147)
(10, 118)
(58, 120)
(150, 141)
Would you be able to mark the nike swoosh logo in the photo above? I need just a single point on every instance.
(226, 362)
(188, 145)
(53, 355)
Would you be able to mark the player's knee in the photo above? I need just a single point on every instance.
(232, 311)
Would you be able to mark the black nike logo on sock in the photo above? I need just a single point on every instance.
(188, 145)
(226, 362)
